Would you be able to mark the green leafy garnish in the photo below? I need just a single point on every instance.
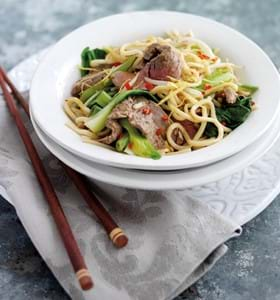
(232, 114)
(88, 55)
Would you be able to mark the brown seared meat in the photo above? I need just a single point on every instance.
(191, 129)
(144, 115)
(159, 62)
(116, 130)
(86, 82)
(120, 77)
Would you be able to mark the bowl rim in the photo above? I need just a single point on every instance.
(167, 162)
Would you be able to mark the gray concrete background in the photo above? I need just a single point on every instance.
(250, 270)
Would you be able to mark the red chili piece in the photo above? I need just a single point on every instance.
(159, 131)
(202, 55)
(207, 86)
(164, 118)
(116, 64)
(149, 86)
(146, 111)
(128, 86)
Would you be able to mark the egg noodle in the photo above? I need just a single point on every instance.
(187, 98)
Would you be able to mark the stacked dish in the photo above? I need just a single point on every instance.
(58, 71)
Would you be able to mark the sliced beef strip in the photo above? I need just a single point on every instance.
(120, 77)
(116, 130)
(86, 82)
(190, 128)
(146, 116)
(159, 62)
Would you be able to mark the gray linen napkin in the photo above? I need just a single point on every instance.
(174, 239)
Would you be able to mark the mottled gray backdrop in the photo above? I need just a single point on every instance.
(250, 270)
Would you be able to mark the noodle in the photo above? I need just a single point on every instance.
(190, 98)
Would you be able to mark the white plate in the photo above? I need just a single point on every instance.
(58, 70)
(158, 180)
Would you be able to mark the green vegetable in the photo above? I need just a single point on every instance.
(98, 101)
(139, 145)
(211, 130)
(95, 109)
(125, 66)
(88, 55)
(249, 89)
(232, 114)
(90, 100)
(95, 88)
(103, 99)
(107, 81)
(122, 143)
(98, 121)
(219, 76)
(100, 98)
(99, 53)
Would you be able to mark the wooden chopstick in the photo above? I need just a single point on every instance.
(63, 226)
(114, 232)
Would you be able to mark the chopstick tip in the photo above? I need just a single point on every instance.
(121, 241)
(84, 279)
(118, 237)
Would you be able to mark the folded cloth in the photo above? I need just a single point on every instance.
(173, 239)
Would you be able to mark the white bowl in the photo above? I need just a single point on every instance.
(158, 180)
(58, 71)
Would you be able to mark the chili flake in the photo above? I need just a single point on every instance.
(116, 64)
(146, 111)
(207, 86)
(164, 118)
(128, 86)
(202, 55)
(149, 86)
(159, 131)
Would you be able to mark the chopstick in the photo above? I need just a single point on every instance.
(63, 226)
(114, 232)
